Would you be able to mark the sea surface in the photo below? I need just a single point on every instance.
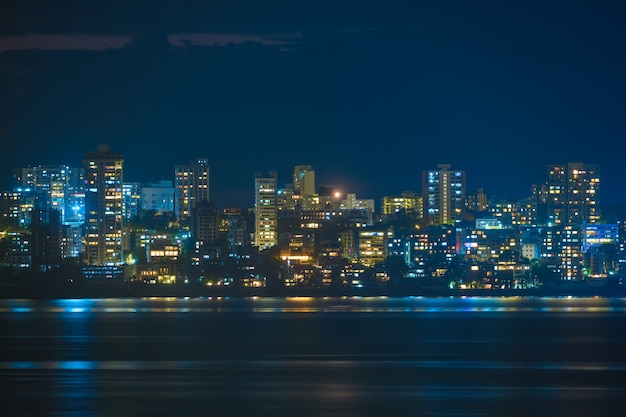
(300, 356)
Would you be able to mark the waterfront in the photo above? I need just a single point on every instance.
(328, 356)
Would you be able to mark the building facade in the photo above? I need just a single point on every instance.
(104, 206)
(443, 193)
(304, 180)
(265, 211)
(56, 187)
(571, 194)
(192, 186)
(158, 196)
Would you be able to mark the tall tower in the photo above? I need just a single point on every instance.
(265, 211)
(104, 207)
(556, 189)
(206, 223)
(572, 194)
(55, 187)
(192, 186)
(583, 182)
(443, 193)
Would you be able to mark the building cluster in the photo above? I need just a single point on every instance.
(306, 234)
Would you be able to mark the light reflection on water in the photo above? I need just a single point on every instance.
(313, 362)
(348, 356)
(321, 305)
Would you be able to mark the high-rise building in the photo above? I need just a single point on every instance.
(131, 192)
(304, 180)
(237, 228)
(265, 210)
(56, 187)
(572, 194)
(104, 206)
(621, 245)
(555, 190)
(562, 250)
(443, 192)
(287, 199)
(10, 207)
(206, 223)
(571, 253)
(45, 242)
(583, 182)
(192, 186)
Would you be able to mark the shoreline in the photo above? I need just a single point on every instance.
(195, 291)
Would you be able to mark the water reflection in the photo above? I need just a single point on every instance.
(332, 356)
(314, 361)
(321, 305)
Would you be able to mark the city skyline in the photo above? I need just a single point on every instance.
(290, 181)
(559, 229)
(370, 95)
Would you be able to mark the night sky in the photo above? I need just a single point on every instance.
(368, 93)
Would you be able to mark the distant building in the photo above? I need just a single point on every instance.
(477, 200)
(10, 207)
(45, 239)
(71, 241)
(56, 187)
(304, 180)
(621, 245)
(571, 194)
(526, 212)
(350, 202)
(18, 249)
(163, 265)
(159, 196)
(131, 192)
(406, 202)
(104, 207)
(489, 244)
(562, 250)
(529, 240)
(287, 199)
(348, 245)
(443, 192)
(583, 187)
(432, 243)
(372, 247)
(297, 247)
(505, 211)
(206, 223)
(192, 186)
(600, 234)
(237, 233)
(265, 211)
(601, 249)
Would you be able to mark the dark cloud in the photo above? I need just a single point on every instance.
(52, 42)
(223, 39)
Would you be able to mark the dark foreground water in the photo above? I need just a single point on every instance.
(314, 357)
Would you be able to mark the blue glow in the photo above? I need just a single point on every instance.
(77, 365)
(22, 365)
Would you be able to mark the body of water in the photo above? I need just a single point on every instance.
(300, 356)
